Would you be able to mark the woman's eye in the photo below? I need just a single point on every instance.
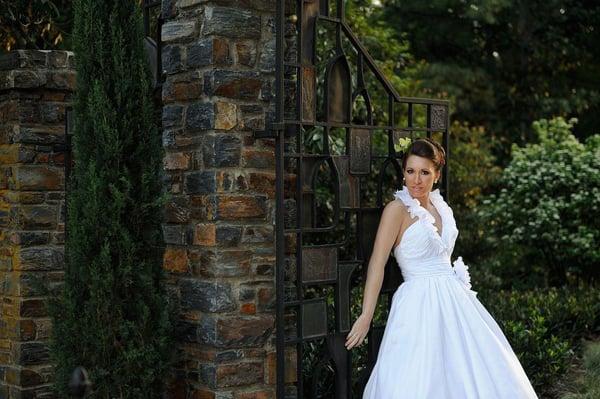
(425, 172)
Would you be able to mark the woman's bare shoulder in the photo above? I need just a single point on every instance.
(396, 209)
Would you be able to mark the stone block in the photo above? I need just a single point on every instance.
(267, 56)
(205, 234)
(58, 59)
(266, 299)
(231, 22)
(262, 182)
(242, 85)
(240, 373)
(212, 51)
(225, 115)
(256, 394)
(31, 353)
(244, 331)
(43, 329)
(182, 91)
(177, 161)
(27, 330)
(290, 367)
(248, 308)
(40, 259)
(200, 116)
(199, 182)
(175, 260)
(228, 236)
(40, 135)
(257, 158)
(222, 150)
(206, 332)
(172, 115)
(177, 210)
(232, 207)
(37, 217)
(230, 263)
(172, 59)
(245, 52)
(26, 79)
(38, 177)
(61, 80)
(188, 3)
(258, 234)
(29, 238)
(33, 307)
(206, 296)
(178, 30)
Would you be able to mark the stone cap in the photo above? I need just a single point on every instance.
(29, 69)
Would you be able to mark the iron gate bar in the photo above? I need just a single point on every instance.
(437, 120)
(279, 198)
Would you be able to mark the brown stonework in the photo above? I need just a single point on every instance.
(35, 89)
(241, 207)
(224, 198)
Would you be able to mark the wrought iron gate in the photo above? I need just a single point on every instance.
(333, 106)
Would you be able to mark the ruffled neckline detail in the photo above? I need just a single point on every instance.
(415, 209)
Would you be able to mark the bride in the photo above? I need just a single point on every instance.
(439, 341)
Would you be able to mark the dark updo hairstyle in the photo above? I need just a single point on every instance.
(426, 148)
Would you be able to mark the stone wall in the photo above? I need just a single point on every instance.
(219, 58)
(35, 88)
(219, 61)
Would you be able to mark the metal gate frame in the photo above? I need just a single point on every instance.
(290, 117)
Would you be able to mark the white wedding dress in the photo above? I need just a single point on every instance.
(439, 341)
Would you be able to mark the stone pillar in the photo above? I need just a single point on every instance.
(35, 88)
(219, 59)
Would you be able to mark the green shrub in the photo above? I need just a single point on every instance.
(545, 327)
(549, 204)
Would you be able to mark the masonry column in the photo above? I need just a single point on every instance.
(219, 57)
(35, 88)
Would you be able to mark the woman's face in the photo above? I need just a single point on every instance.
(420, 174)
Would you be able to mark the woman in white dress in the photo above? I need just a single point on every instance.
(439, 341)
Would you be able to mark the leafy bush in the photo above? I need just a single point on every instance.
(549, 203)
(472, 173)
(545, 327)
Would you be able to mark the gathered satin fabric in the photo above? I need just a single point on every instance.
(440, 342)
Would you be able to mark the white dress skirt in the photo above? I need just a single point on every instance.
(439, 341)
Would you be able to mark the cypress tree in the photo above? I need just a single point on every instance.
(112, 315)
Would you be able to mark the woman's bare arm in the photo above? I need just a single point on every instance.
(389, 227)
(393, 217)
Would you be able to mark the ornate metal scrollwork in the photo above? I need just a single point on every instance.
(328, 94)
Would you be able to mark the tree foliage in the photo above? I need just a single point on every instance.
(549, 202)
(35, 24)
(113, 315)
(507, 63)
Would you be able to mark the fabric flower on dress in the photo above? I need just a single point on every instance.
(462, 272)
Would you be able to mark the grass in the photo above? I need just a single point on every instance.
(583, 381)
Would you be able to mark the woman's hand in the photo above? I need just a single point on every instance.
(358, 332)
